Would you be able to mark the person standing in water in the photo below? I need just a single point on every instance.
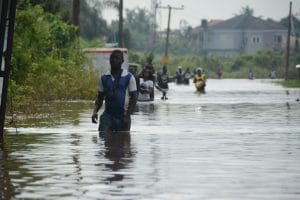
(119, 91)
(186, 76)
(179, 75)
(132, 68)
(200, 80)
(162, 82)
(146, 86)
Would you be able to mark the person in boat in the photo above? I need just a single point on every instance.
(179, 76)
(200, 80)
(162, 82)
(146, 86)
(118, 89)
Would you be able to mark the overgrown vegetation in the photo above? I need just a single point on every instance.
(291, 83)
(260, 63)
(47, 61)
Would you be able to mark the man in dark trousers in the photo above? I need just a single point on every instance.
(118, 88)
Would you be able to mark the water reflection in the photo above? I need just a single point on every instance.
(146, 107)
(6, 188)
(118, 152)
(14, 174)
(47, 115)
(75, 143)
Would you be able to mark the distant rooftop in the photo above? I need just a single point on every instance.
(211, 22)
(248, 22)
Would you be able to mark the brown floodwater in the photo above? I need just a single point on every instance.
(240, 140)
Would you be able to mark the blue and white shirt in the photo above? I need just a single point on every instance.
(117, 93)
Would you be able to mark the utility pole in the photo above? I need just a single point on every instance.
(286, 75)
(7, 21)
(152, 40)
(166, 58)
(121, 23)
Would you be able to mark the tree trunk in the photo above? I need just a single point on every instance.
(76, 14)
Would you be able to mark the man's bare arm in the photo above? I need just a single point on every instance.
(98, 105)
(132, 103)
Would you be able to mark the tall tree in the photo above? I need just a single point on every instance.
(295, 24)
(91, 21)
(57, 7)
(119, 6)
(76, 14)
(92, 24)
(138, 21)
(247, 11)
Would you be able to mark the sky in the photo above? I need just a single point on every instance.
(196, 10)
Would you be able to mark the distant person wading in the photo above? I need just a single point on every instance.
(162, 82)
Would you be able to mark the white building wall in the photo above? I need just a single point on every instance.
(229, 42)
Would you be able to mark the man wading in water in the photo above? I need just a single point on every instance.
(118, 88)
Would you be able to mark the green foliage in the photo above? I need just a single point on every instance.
(94, 43)
(138, 20)
(60, 8)
(133, 57)
(47, 61)
(291, 83)
(296, 24)
(136, 29)
(92, 25)
(261, 64)
(246, 10)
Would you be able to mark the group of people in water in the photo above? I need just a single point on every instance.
(184, 77)
(120, 89)
(148, 80)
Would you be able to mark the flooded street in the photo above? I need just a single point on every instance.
(240, 140)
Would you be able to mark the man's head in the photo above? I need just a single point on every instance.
(164, 69)
(146, 73)
(179, 68)
(116, 59)
(132, 68)
(199, 71)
